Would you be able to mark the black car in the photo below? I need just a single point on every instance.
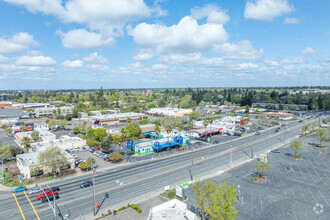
(51, 197)
(55, 188)
(215, 142)
(260, 128)
(237, 134)
(86, 183)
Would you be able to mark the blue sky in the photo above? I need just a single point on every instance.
(75, 44)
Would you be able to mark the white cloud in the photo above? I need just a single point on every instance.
(291, 21)
(242, 50)
(142, 56)
(28, 64)
(213, 13)
(81, 38)
(186, 36)
(266, 10)
(278, 62)
(108, 17)
(98, 67)
(17, 43)
(159, 67)
(95, 58)
(72, 64)
(35, 61)
(309, 52)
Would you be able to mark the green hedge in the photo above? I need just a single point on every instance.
(133, 206)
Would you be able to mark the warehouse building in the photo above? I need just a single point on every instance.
(39, 112)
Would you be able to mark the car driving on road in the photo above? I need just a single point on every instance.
(35, 190)
(86, 183)
(47, 192)
(276, 151)
(19, 189)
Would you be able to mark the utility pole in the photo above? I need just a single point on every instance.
(192, 162)
(231, 156)
(3, 176)
(251, 146)
(93, 181)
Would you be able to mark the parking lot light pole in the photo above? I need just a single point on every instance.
(252, 146)
(3, 175)
(53, 208)
(192, 162)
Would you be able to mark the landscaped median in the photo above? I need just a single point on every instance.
(114, 212)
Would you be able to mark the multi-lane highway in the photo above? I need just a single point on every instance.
(136, 181)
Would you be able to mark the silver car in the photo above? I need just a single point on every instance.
(35, 190)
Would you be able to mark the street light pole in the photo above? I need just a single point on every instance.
(3, 176)
(93, 181)
(192, 162)
(55, 214)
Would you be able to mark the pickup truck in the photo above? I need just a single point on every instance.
(47, 192)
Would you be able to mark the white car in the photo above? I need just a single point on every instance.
(35, 190)
(74, 156)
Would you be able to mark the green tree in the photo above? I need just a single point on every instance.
(262, 167)
(115, 157)
(157, 131)
(321, 135)
(74, 113)
(305, 127)
(296, 146)
(79, 117)
(53, 158)
(247, 109)
(202, 190)
(91, 142)
(210, 120)
(128, 120)
(168, 130)
(106, 144)
(133, 129)
(116, 141)
(35, 169)
(205, 123)
(76, 130)
(193, 116)
(59, 111)
(222, 202)
(143, 121)
(99, 134)
(26, 143)
(23, 127)
(68, 117)
(35, 135)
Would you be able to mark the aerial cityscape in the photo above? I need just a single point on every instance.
(155, 110)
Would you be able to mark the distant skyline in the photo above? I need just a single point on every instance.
(86, 44)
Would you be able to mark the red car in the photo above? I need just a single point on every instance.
(48, 192)
(283, 125)
(92, 151)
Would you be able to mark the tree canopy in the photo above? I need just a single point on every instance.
(53, 158)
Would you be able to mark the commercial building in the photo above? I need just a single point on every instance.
(173, 112)
(13, 113)
(30, 105)
(27, 160)
(279, 115)
(43, 136)
(64, 142)
(160, 144)
(5, 104)
(171, 210)
(39, 112)
(113, 119)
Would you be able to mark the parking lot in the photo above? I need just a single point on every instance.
(84, 155)
(302, 193)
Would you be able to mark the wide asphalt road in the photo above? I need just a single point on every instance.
(137, 181)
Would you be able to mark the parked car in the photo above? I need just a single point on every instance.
(215, 142)
(35, 190)
(260, 128)
(300, 120)
(276, 151)
(93, 150)
(257, 133)
(19, 189)
(237, 134)
(181, 148)
(86, 183)
(283, 125)
(74, 156)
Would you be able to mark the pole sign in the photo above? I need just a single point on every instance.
(263, 158)
(184, 185)
(180, 192)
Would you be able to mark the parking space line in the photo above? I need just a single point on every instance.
(19, 206)
(323, 196)
(32, 205)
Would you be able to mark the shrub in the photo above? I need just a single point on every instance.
(109, 211)
(139, 210)
(122, 208)
(133, 206)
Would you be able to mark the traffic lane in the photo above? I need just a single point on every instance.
(123, 196)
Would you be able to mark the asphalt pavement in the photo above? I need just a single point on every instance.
(139, 181)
